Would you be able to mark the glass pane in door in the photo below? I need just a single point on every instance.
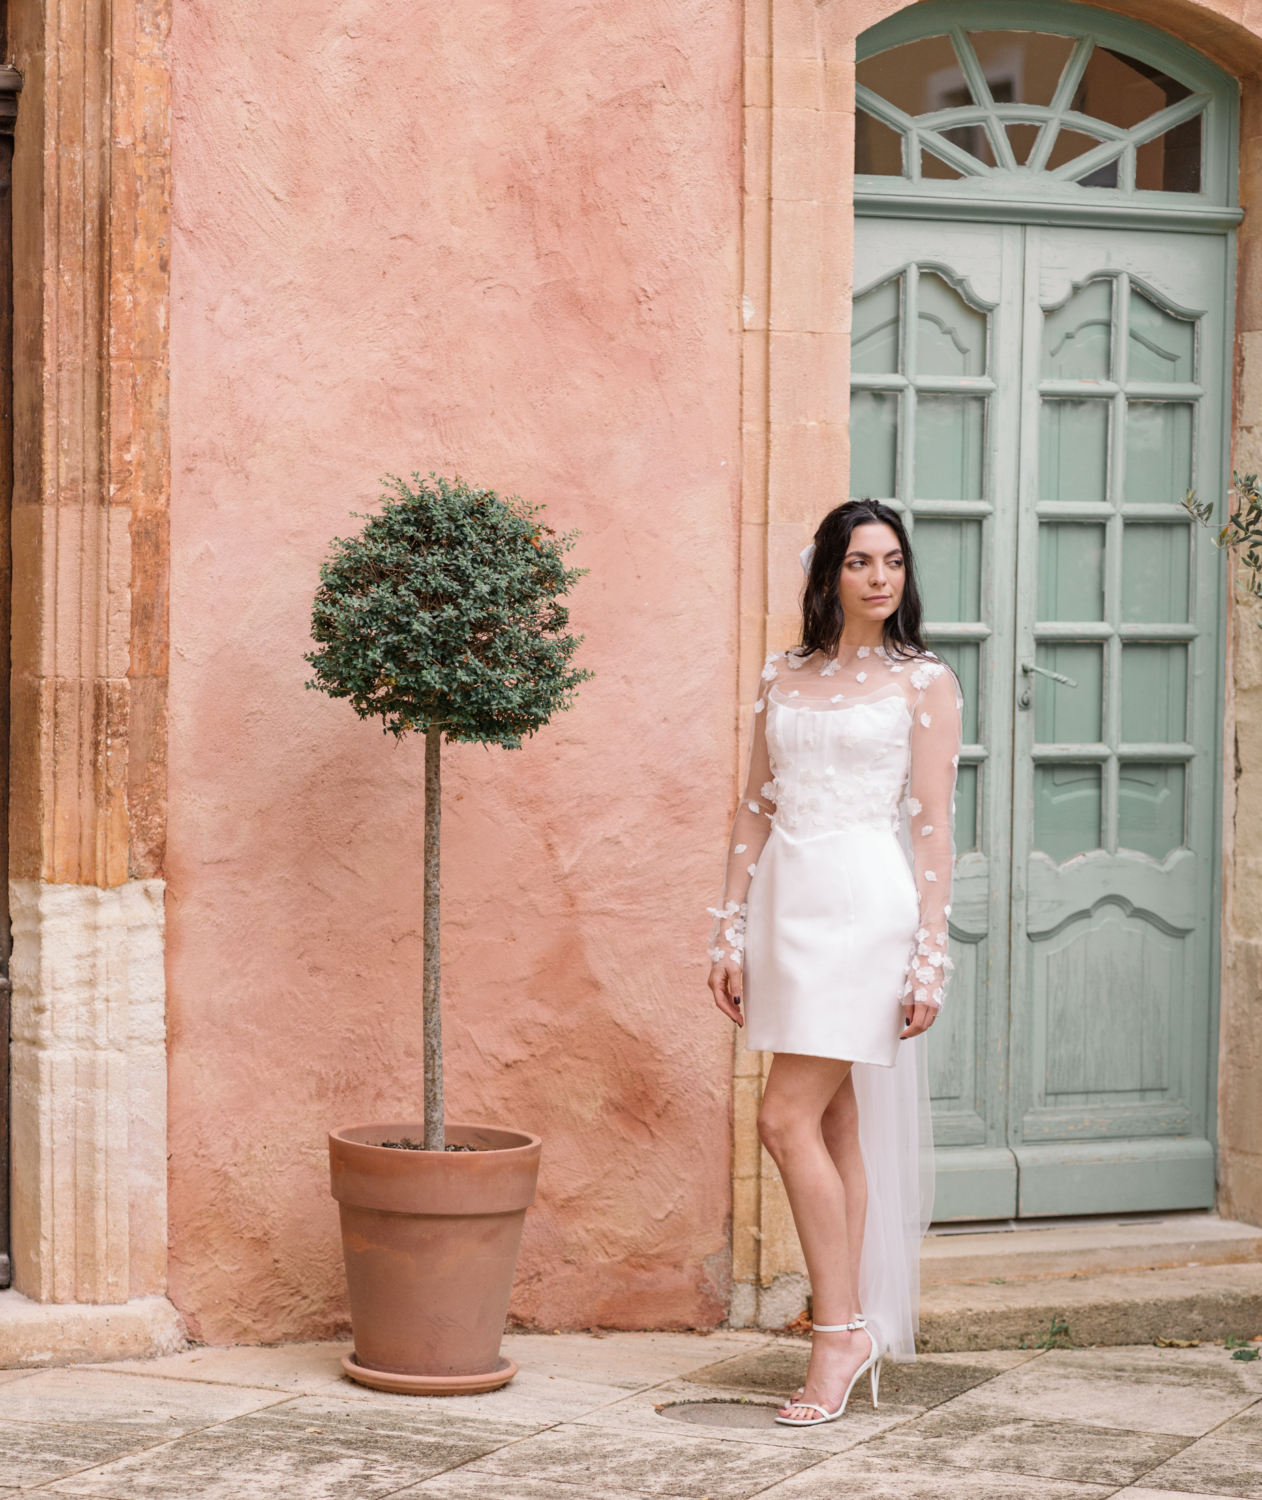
(1158, 452)
(1074, 450)
(950, 432)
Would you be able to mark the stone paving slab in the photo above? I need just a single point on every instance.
(610, 1464)
(35, 1453)
(640, 1414)
(781, 1367)
(1140, 1493)
(304, 1448)
(857, 1478)
(588, 1418)
(285, 1367)
(971, 1439)
(1227, 1461)
(1184, 1392)
(153, 1409)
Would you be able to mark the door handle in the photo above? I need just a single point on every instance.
(1029, 668)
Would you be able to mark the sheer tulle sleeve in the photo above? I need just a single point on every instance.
(751, 829)
(935, 757)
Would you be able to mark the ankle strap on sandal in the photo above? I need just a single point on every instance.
(839, 1327)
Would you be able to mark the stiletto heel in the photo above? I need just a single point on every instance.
(872, 1363)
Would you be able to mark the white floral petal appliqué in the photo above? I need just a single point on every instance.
(923, 676)
(834, 770)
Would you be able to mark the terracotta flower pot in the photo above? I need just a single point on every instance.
(431, 1240)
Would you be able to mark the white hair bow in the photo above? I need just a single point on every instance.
(805, 557)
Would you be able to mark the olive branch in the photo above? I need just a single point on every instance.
(1243, 532)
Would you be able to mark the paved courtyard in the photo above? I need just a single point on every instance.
(600, 1417)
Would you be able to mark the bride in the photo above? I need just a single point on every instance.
(837, 898)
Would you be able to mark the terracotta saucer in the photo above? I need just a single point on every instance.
(431, 1385)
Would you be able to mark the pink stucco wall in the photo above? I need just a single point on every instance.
(501, 239)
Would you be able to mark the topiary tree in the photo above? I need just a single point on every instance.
(442, 617)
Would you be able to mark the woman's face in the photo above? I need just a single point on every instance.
(873, 574)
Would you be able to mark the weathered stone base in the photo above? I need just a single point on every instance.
(88, 1092)
(63, 1333)
(1193, 1302)
(770, 1306)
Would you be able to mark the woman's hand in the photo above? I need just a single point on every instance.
(919, 1018)
(725, 985)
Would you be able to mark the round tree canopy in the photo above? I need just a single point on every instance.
(443, 612)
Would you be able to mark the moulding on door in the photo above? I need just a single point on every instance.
(1193, 219)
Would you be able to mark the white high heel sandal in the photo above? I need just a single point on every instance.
(872, 1364)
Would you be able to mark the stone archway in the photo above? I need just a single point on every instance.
(798, 256)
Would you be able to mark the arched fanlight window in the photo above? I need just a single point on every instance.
(1081, 103)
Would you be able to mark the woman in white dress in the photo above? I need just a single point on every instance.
(837, 897)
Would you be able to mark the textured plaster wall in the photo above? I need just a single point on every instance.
(504, 240)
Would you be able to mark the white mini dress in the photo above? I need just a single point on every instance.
(837, 899)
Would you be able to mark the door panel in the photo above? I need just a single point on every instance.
(1117, 646)
(934, 418)
(1036, 402)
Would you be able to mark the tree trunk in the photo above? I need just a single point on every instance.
(431, 983)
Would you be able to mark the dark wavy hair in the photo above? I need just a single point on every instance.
(822, 618)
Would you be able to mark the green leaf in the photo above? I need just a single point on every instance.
(444, 609)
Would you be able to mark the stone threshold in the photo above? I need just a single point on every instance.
(1201, 1303)
(1014, 1249)
(38, 1334)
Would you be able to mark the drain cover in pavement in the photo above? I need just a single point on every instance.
(721, 1413)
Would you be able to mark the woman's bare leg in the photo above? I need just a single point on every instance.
(801, 1094)
(841, 1136)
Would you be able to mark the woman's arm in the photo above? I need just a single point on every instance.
(751, 828)
(935, 757)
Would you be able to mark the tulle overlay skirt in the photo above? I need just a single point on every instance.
(830, 925)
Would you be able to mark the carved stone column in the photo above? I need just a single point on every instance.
(798, 253)
(91, 232)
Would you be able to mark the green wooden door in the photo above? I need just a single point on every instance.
(1037, 400)
(1116, 770)
(1043, 282)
